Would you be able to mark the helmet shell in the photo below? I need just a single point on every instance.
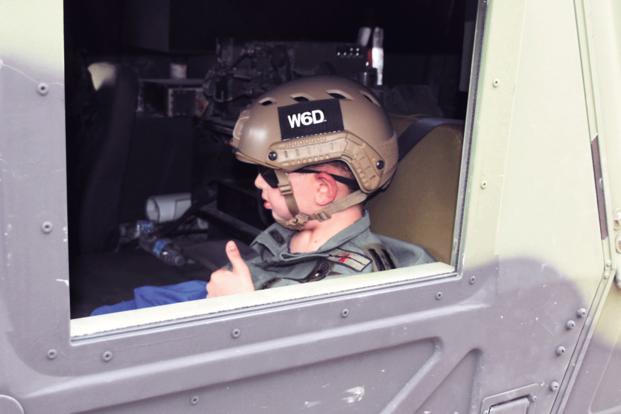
(316, 120)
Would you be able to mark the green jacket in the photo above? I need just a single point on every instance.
(352, 251)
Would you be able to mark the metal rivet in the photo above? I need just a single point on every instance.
(581, 313)
(194, 400)
(379, 164)
(570, 324)
(345, 313)
(439, 295)
(473, 280)
(43, 89)
(560, 350)
(532, 398)
(483, 184)
(236, 333)
(47, 227)
(496, 83)
(106, 356)
(272, 156)
(554, 386)
(52, 354)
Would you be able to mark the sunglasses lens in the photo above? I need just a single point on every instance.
(269, 176)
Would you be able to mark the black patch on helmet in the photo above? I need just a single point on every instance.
(310, 118)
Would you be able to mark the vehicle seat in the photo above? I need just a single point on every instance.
(103, 155)
(419, 206)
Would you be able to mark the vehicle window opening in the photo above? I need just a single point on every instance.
(154, 188)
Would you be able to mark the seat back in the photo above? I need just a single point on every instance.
(419, 206)
(104, 150)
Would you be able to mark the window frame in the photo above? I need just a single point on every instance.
(87, 328)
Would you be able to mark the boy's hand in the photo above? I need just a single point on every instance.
(228, 282)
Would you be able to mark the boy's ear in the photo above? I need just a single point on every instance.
(326, 189)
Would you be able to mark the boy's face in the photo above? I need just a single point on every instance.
(303, 190)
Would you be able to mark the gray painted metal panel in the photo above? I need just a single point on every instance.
(402, 348)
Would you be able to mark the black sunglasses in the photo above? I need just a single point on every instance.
(270, 178)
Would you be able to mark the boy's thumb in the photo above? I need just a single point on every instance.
(232, 252)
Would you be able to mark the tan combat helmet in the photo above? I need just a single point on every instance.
(316, 120)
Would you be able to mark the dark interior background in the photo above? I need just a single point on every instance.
(113, 26)
(186, 29)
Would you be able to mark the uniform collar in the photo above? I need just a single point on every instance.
(276, 238)
(350, 232)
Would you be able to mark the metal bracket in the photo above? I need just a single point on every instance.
(528, 391)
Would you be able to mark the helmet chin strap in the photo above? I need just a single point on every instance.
(299, 219)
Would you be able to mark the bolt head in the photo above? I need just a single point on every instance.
(47, 227)
(570, 325)
(43, 89)
(345, 313)
(554, 386)
(581, 313)
(236, 333)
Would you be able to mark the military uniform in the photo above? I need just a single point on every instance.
(354, 250)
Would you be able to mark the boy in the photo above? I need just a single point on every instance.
(323, 145)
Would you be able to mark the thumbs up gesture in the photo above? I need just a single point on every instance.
(228, 282)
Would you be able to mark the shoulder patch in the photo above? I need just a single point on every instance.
(355, 261)
(382, 258)
(278, 238)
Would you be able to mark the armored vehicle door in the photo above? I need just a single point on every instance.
(501, 324)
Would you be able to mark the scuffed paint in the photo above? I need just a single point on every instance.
(28, 77)
(356, 394)
(65, 281)
(311, 404)
(16, 70)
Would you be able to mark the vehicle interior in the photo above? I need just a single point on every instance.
(153, 89)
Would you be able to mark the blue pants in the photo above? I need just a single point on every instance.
(147, 296)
